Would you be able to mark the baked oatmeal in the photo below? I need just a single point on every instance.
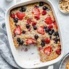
(35, 24)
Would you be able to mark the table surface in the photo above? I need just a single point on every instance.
(63, 21)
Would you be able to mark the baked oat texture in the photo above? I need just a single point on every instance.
(35, 24)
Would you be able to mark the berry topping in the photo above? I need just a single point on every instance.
(27, 26)
(36, 37)
(47, 29)
(40, 30)
(56, 39)
(56, 34)
(34, 27)
(44, 12)
(20, 41)
(29, 20)
(48, 20)
(37, 17)
(15, 20)
(17, 30)
(23, 9)
(33, 23)
(48, 50)
(30, 41)
(51, 32)
(47, 40)
(58, 51)
(41, 3)
(20, 15)
(45, 8)
(23, 32)
(50, 26)
(36, 11)
(12, 15)
(42, 43)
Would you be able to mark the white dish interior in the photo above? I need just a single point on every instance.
(25, 59)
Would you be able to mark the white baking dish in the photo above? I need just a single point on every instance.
(25, 59)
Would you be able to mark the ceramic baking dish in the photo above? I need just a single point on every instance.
(25, 59)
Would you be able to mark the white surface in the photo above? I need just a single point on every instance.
(63, 22)
(20, 56)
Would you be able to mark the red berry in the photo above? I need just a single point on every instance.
(48, 50)
(20, 15)
(50, 26)
(58, 51)
(48, 20)
(12, 15)
(17, 30)
(29, 20)
(30, 41)
(44, 12)
(40, 30)
(37, 17)
(33, 23)
(47, 40)
(36, 11)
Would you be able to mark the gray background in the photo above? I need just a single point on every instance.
(64, 28)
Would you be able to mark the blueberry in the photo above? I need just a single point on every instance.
(21, 42)
(18, 39)
(36, 37)
(56, 34)
(56, 40)
(51, 32)
(34, 27)
(15, 20)
(41, 3)
(23, 9)
(47, 30)
(27, 26)
(42, 43)
(45, 8)
(23, 32)
(45, 27)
